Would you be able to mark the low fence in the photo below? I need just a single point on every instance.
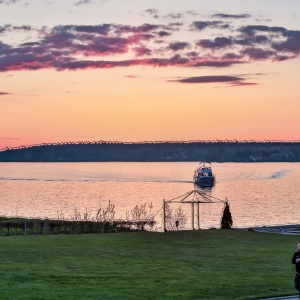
(47, 226)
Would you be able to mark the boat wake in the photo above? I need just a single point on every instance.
(278, 174)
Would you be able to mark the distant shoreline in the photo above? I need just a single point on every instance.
(220, 151)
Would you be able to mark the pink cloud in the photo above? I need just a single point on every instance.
(76, 47)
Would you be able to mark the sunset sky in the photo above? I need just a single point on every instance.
(137, 70)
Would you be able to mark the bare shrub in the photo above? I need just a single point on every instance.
(174, 219)
(105, 215)
(141, 215)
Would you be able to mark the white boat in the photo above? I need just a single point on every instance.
(203, 175)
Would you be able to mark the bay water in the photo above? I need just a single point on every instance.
(258, 193)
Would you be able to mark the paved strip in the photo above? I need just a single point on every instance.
(295, 297)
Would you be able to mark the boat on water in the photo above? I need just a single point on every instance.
(203, 175)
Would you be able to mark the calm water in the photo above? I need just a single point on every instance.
(259, 193)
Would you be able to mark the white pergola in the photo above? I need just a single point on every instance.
(195, 198)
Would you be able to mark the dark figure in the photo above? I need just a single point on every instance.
(296, 261)
(177, 224)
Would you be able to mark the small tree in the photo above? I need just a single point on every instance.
(226, 221)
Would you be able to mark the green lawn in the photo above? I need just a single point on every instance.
(204, 264)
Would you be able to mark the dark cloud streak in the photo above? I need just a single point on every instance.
(210, 79)
(217, 43)
(82, 2)
(228, 16)
(178, 46)
(227, 79)
(8, 2)
(201, 25)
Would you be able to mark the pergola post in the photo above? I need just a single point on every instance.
(193, 213)
(165, 226)
(198, 214)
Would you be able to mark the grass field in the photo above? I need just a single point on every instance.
(204, 264)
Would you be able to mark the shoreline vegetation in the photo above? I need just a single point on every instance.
(30, 226)
(101, 151)
(12, 226)
(140, 218)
